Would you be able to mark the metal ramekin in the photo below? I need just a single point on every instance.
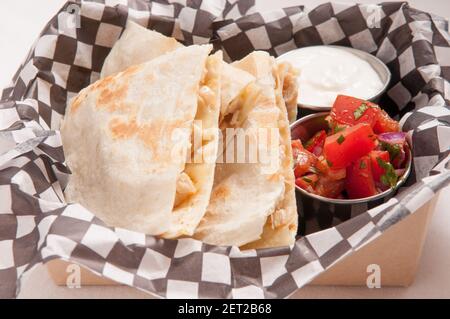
(326, 210)
(378, 65)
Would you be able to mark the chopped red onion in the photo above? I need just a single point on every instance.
(392, 137)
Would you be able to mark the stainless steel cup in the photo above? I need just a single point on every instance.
(318, 212)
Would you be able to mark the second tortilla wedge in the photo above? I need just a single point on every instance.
(252, 206)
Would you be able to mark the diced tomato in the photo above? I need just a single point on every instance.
(306, 182)
(337, 174)
(385, 123)
(302, 184)
(311, 178)
(296, 147)
(345, 147)
(377, 171)
(315, 143)
(349, 162)
(350, 110)
(334, 125)
(304, 163)
(327, 187)
(330, 182)
(323, 168)
(359, 182)
(296, 144)
(322, 165)
(303, 159)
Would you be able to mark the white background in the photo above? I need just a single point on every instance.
(20, 23)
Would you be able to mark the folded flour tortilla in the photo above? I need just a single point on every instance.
(253, 204)
(138, 44)
(262, 65)
(281, 77)
(126, 139)
(248, 205)
(190, 208)
(135, 46)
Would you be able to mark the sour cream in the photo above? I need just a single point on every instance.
(326, 71)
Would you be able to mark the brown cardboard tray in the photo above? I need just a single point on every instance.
(397, 251)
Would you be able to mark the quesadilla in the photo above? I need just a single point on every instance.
(127, 138)
(191, 202)
(135, 46)
(281, 77)
(253, 203)
(250, 206)
(138, 44)
(261, 65)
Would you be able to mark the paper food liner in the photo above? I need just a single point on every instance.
(36, 225)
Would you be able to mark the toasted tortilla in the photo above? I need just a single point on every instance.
(138, 44)
(249, 202)
(233, 81)
(281, 227)
(135, 46)
(269, 219)
(123, 143)
(260, 64)
(282, 77)
(188, 213)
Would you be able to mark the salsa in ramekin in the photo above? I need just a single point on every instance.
(361, 152)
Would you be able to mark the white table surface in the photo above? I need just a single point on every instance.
(20, 23)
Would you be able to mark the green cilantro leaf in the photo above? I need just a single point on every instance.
(338, 128)
(341, 139)
(308, 143)
(389, 178)
(393, 149)
(312, 169)
(362, 165)
(360, 111)
(306, 179)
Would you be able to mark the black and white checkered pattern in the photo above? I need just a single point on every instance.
(36, 225)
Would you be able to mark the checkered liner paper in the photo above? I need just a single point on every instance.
(37, 225)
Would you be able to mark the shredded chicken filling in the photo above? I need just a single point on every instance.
(185, 185)
(287, 82)
(185, 188)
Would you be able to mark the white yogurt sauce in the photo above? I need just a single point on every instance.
(325, 72)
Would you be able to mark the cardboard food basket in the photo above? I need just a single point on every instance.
(38, 226)
(404, 240)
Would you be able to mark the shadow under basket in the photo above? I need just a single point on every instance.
(403, 240)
